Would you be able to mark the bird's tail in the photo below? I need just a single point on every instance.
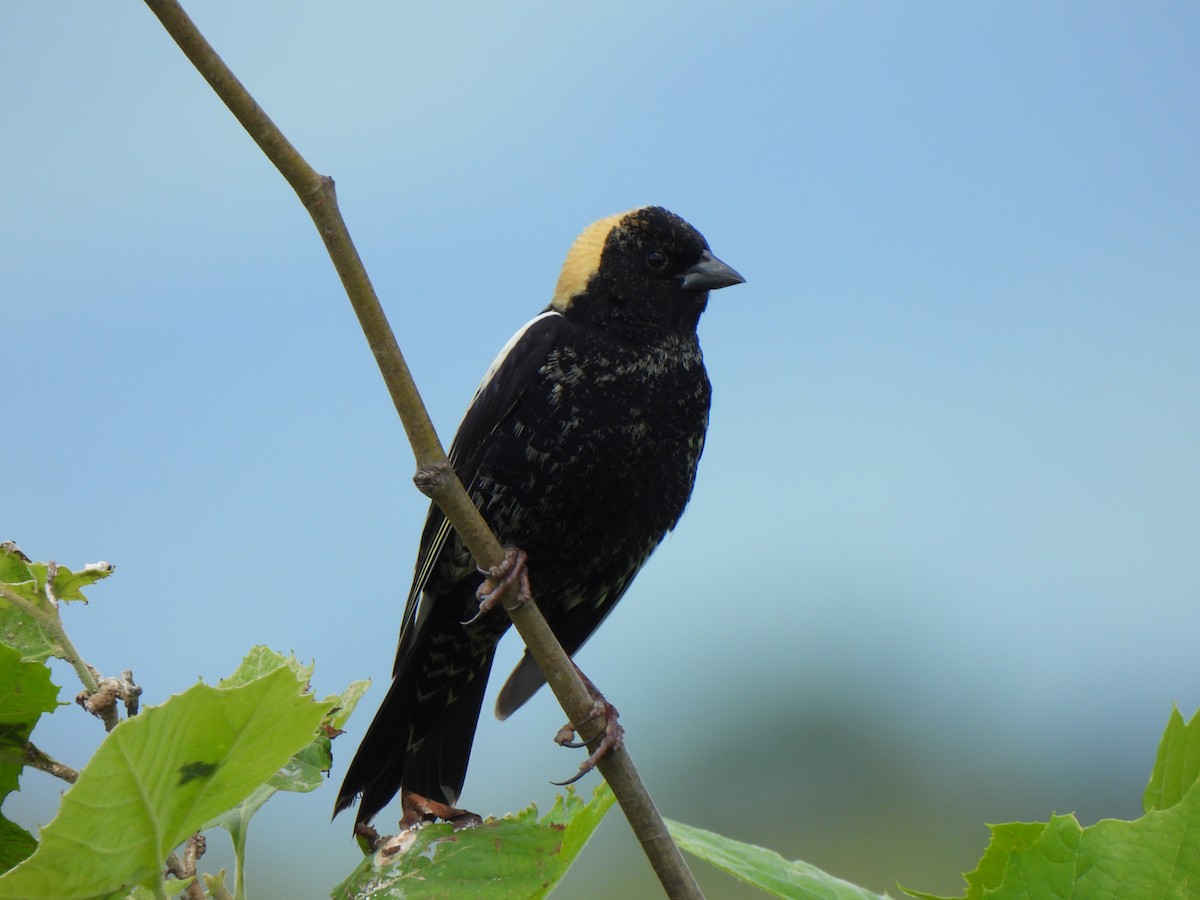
(420, 739)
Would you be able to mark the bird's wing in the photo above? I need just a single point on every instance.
(496, 395)
(572, 625)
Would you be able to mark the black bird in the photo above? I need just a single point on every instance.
(580, 447)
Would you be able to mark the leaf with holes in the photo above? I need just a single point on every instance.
(519, 857)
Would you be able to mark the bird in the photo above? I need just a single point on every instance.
(580, 448)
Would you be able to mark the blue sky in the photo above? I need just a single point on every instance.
(950, 501)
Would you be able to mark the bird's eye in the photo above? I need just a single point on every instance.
(656, 259)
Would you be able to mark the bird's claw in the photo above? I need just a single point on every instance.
(419, 810)
(612, 739)
(499, 581)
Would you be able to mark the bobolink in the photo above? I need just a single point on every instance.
(580, 447)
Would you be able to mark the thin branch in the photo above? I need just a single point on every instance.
(102, 702)
(434, 474)
(49, 621)
(186, 868)
(39, 759)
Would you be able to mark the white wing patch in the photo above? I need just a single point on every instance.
(507, 349)
(417, 610)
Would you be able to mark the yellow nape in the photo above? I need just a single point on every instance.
(583, 260)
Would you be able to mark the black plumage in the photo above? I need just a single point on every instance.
(580, 447)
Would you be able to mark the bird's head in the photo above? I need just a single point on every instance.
(638, 274)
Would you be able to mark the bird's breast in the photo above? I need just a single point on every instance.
(596, 461)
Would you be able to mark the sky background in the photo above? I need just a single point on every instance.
(942, 563)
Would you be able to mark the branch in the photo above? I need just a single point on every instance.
(102, 702)
(185, 868)
(49, 621)
(434, 473)
(39, 759)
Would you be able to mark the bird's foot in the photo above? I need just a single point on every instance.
(499, 582)
(367, 836)
(612, 738)
(420, 810)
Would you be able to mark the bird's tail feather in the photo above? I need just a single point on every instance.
(419, 742)
(522, 684)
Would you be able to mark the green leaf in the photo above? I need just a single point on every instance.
(306, 770)
(1154, 856)
(579, 819)
(26, 692)
(24, 634)
(157, 778)
(262, 660)
(27, 580)
(765, 869)
(69, 585)
(172, 887)
(518, 857)
(215, 884)
(1007, 840)
(14, 565)
(343, 705)
(17, 629)
(15, 844)
(1177, 766)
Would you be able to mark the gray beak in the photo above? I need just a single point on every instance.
(709, 274)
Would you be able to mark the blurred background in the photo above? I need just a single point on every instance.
(942, 564)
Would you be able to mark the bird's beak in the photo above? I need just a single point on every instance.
(709, 274)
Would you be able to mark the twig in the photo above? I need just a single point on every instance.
(186, 867)
(49, 621)
(434, 474)
(102, 702)
(39, 759)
